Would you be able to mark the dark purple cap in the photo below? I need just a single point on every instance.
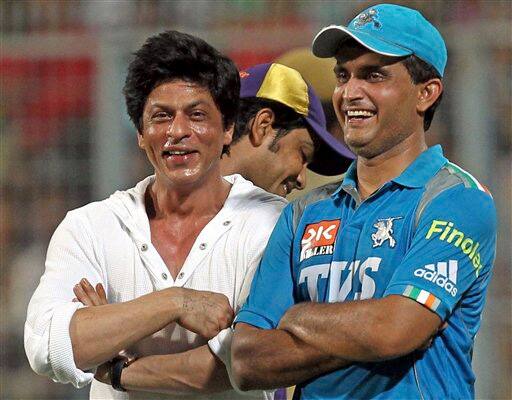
(287, 86)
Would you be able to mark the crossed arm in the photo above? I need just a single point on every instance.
(101, 330)
(315, 338)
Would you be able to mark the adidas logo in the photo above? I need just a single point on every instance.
(443, 274)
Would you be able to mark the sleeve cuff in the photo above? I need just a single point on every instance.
(220, 345)
(61, 351)
(422, 296)
(251, 318)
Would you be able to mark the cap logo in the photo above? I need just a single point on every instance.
(367, 17)
(244, 74)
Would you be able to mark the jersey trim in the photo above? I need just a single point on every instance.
(422, 296)
(440, 182)
(469, 180)
(318, 194)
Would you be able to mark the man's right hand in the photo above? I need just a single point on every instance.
(205, 313)
(202, 312)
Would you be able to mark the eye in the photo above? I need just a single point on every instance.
(161, 115)
(375, 76)
(341, 76)
(198, 115)
(307, 155)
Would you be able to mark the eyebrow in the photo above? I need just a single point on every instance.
(193, 104)
(365, 69)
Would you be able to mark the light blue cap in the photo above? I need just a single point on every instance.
(387, 29)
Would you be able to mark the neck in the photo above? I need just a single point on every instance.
(235, 162)
(374, 172)
(203, 198)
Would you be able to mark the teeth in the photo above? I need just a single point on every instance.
(359, 113)
(178, 153)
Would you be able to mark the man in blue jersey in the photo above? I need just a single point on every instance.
(374, 288)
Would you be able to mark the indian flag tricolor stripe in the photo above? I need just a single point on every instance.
(470, 179)
(422, 296)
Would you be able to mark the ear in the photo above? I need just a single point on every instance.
(228, 134)
(261, 126)
(140, 140)
(429, 92)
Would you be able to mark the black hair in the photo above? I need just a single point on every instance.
(174, 55)
(285, 119)
(421, 72)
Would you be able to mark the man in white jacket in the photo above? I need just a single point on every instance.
(175, 254)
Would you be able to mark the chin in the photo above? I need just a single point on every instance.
(184, 177)
(361, 149)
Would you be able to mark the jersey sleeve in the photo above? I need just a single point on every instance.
(271, 291)
(452, 251)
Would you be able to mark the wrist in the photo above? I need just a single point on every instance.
(174, 299)
(116, 369)
(118, 365)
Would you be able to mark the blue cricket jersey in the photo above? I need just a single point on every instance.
(429, 235)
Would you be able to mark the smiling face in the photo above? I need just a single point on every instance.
(281, 167)
(183, 133)
(375, 101)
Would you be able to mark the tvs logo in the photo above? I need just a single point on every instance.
(319, 238)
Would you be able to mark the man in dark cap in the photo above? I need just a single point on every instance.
(280, 130)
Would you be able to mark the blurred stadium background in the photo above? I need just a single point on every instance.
(66, 140)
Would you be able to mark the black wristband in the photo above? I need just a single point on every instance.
(118, 364)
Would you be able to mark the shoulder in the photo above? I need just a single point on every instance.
(253, 201)
(313, 198)
(455, 199)
(87, 223)
(104, 214)
(120, 205)
(91, 213)
(453, 188)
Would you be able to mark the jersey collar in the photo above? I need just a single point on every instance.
(416, 175)
(421, 170)
(349, 182)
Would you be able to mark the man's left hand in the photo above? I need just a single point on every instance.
(88, 295)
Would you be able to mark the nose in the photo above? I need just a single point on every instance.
(178, 128)
(351, 90)
(300, 183)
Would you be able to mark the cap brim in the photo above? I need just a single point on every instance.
(327, 42)
(331, 156)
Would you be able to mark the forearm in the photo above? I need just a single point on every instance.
(193, 371)
(366, 330)
(99, 333)
(268, 359)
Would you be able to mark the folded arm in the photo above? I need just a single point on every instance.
(194, 371)
(96, 334)
(365, 330)
(99, 333)
(273, 358)
(191, 372)
(315, 338)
